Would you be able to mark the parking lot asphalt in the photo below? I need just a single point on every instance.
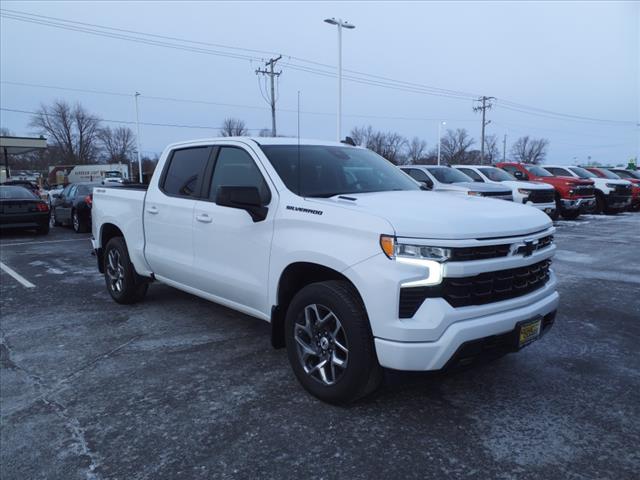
(177, 387)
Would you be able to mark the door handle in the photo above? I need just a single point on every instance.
(152, 210)
(204, 218)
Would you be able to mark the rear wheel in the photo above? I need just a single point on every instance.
(43, 229)
(571, 214)
(79, 225)
(329, 343)
(123, 283)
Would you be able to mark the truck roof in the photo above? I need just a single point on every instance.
(264, 141)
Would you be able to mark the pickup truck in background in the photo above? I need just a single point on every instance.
(449, 180)
(573, 195)
(613, 195)
(535, 194)
(632, 176)
(356, 267)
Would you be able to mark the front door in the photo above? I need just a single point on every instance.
(231, 250)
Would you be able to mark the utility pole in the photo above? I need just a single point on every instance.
(504, 148)
(486, 105)
(272, 97)
(138, 138)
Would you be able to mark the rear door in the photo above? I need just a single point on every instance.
(231, 250)
(168, 214)
(63, 207)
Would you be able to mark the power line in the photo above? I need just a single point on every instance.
(486, 105)
(357, 77)
(210, 102)
(126, 122)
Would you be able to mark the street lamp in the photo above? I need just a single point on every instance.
(138, 138)
(340, 24)
(440, 124)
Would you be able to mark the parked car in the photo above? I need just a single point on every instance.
(31, 186)
(613, 195)
(632, 176)
(449, 180)
(535, 194)
(21, 208)
(355, 267)
(573, 195)
(72, 206)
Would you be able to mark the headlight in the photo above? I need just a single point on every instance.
(524, 191)
(393, 249)
(572, 191)
(475, 194)
(431, 258)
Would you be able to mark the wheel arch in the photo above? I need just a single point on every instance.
(107, 232)
(294, 278)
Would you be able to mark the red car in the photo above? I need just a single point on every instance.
(573, 195)
(632, 176)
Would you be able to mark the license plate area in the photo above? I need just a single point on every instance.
(528, 331)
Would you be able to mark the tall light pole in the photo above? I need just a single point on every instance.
(440, 124)
(138, 138)
(340, 24)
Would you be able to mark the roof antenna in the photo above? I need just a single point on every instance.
(299, 165)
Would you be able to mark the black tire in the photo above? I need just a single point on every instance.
(601, 204)
(555, 214)
(362, 374)
(571, 214)
(133, 287)
(78, 225)
(56, 222)
(43, 229)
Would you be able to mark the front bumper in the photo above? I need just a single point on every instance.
(548, 208)
(423, 356)
(584, 203)
(618, 201)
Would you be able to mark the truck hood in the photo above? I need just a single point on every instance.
(421, 214)
(561, 180)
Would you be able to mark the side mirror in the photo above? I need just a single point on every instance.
(519, 175)
(243, 198)
(425, 186)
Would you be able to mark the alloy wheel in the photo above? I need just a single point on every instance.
(76, 221)
(321, 343)
(115, 271)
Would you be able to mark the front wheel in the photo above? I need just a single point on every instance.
(329, 342)
(123, 283)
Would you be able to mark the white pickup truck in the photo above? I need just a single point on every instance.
(353, 264)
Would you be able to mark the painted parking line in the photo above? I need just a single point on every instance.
(10, 271)
(46, 241)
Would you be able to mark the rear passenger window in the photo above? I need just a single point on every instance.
(235, 168)
(185, 171)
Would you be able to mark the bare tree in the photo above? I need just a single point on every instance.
(118, 144)
(491, 151)
(70, 129)
(530, 150)
(233, 127)
(416, 150)
(390, 145)
(5, 132)
(455, 146)
(265, 132)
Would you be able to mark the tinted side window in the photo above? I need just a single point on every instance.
(418, 175)
(509, 168)
(72, 192)
(184, 174)
(235, 168)
(558, 172)
(472, 173)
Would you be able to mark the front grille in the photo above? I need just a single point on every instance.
(544, 242)
(542, 196)
(623, 190)
(480, 289)
(505, 194)
(585, 190)
(464, 254)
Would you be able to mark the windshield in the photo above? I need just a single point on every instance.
(112, 174)
(582, 173)
(86, 189)
(449, 175)
(538, 171)
(628, 174)
(326, 171)
(609, 174)
(496, 174)
(17, 193)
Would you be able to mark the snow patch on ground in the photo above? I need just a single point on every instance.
(569, 256)
(55, 271)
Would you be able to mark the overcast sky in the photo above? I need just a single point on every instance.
(575, 58)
